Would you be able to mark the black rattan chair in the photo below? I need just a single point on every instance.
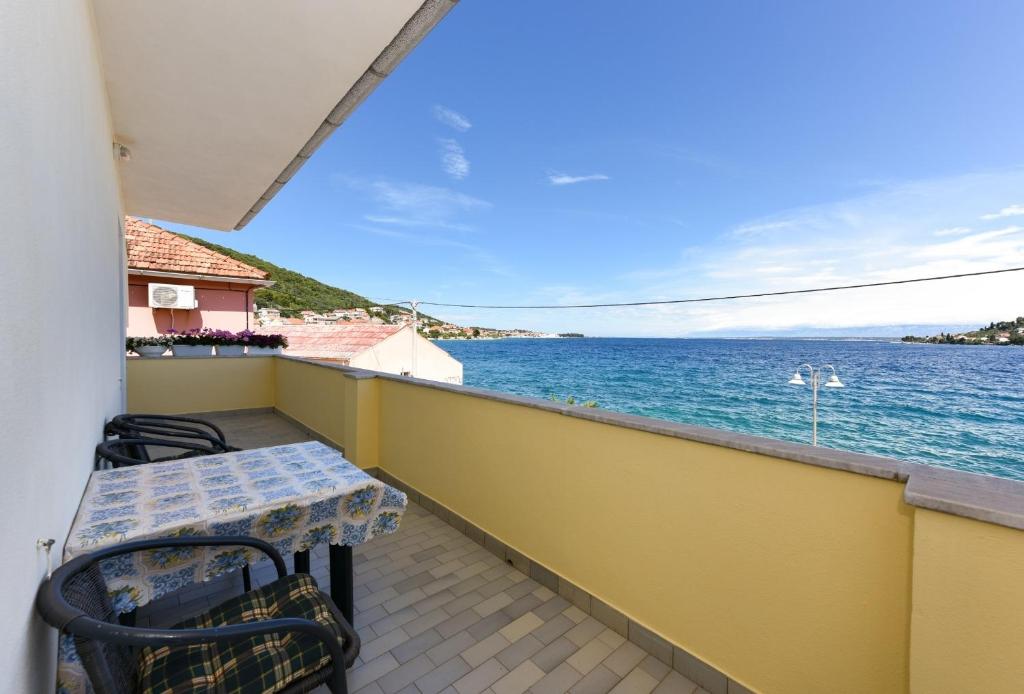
(129, 426)
(139, 451)
(286, 637)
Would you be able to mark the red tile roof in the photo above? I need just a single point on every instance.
(331, 341)
(152, 248)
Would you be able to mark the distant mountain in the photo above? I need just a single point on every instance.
(893, 331)
(294, 292)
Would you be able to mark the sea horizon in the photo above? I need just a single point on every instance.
(908, 401)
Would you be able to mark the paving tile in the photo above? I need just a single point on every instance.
(524, 587)
(518, 680)
(439, 599)
(456, 623)
(443, 676)
(654, 667)
(488, 625)
(405, 674)
(611, 637)
(492, 604)
(484, 650)
(554, 654)
(585, 631)
(598, 681)
(519, 651)
(520, 627)
(636, 682)
(575, 614)
(480, 678)
(517, 608)
(624, 658)
(450, 647)
(371, 671)
(590, 656)
(460, 603)
(544, 593)
(431, 619)
(413, 647)
(403, 616)
(382, 644)
(372, 688)
(676, 683)
(414, 581)
(403, 600)
(553, 628)
(555, 606)
(495, 585)
(558, 681)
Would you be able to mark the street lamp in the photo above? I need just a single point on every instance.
(832, 382)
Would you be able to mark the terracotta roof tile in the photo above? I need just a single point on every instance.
(152, 248)
(331, 341)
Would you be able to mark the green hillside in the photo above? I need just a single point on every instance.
(294, 292)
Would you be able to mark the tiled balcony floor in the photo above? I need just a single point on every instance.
(439, 613)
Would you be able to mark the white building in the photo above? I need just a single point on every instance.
(192, 112)
(392, 349)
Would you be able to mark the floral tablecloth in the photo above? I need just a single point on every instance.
(293, 496)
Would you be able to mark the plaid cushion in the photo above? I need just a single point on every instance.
(264, 664)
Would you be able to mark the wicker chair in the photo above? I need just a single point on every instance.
(128, 426)
(139, 451)
(287, 636)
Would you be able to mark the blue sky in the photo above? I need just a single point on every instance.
(562, 152)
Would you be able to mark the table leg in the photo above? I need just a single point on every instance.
(246, 579)
(302, 562)
(342, 581)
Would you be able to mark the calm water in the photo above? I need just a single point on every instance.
(957, 406)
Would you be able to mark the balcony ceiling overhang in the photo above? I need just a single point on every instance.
(220, 103)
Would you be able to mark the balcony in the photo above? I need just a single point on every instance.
(651, 556)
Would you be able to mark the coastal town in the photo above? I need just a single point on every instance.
(427, 326)
(996, 333)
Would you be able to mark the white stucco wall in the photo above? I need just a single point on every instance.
(394, 355)
(61, 331)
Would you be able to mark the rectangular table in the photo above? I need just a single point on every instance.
(294, 496)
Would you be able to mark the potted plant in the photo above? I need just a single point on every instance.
(192, 343)
(262, 345)
(230, 344)
(147, 347)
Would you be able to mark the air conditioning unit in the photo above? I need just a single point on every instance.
(172, 296)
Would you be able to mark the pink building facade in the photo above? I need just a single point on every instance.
(223, 286)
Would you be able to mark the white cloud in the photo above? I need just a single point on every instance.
(402, 203)
(953, 231)
(452, 119)
(1011, 211)
(888, 234)
(453, 159)
(561, 179)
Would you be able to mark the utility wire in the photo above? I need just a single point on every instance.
(728, 297)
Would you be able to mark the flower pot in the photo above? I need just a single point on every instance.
(230, 350)
(192, 350)
(150, 351)
(263, 351)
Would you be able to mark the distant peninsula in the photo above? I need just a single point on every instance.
(1001, 333)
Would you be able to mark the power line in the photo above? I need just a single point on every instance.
(728, 297)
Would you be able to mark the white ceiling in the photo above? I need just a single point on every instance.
(214, 98)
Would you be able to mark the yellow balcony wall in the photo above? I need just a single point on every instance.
(786, 576)
(180, 385)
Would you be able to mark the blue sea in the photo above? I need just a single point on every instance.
(956, 406)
